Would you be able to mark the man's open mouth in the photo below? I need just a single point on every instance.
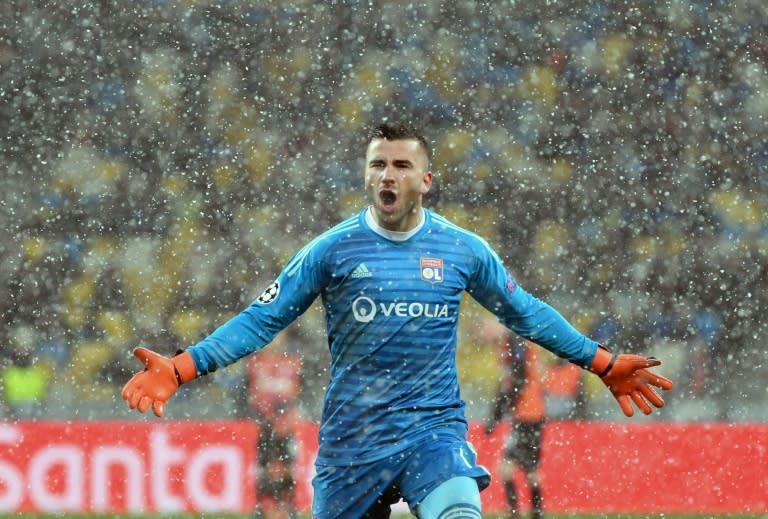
(387, 198)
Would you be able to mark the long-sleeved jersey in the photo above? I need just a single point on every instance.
(392, 313)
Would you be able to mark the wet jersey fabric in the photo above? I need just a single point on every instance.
(392, 312)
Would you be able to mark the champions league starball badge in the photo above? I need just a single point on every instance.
(270, 294)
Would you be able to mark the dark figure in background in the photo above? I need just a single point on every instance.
(275, 380)
(522, 397)
(276, 483)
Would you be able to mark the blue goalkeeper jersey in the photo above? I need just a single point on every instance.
(392, 314)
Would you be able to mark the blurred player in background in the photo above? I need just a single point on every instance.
(532, 390)
(521, 396)
(391, 280)
(528, 390)
(275, 381)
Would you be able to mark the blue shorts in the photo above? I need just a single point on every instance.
(368, 490)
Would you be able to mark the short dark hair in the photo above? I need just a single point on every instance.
(399, 131)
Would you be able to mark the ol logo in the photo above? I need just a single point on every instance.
(431, 269)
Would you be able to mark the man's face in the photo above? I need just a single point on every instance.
(396, 177)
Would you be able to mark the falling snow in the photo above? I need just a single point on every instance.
(162, 160)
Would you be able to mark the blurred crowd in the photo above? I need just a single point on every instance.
(161, 161)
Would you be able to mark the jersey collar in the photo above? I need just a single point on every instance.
(393, 235)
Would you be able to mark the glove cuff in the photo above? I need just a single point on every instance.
(185, 368)
(603, 361)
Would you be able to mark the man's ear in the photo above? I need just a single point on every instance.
(426, 182)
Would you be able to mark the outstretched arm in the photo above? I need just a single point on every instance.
(626, 375)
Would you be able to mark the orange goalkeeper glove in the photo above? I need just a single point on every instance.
(159, 380)
(628, 378)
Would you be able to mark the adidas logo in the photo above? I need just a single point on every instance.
(361, 271)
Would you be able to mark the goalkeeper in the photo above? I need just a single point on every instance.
(391, 280)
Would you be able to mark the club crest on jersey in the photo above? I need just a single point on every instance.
(431, 269)
(269, 294)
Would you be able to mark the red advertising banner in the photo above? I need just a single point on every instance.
(642, 468)
(127, 466)
(587, 467)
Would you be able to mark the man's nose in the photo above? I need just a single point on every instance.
(388, 173)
